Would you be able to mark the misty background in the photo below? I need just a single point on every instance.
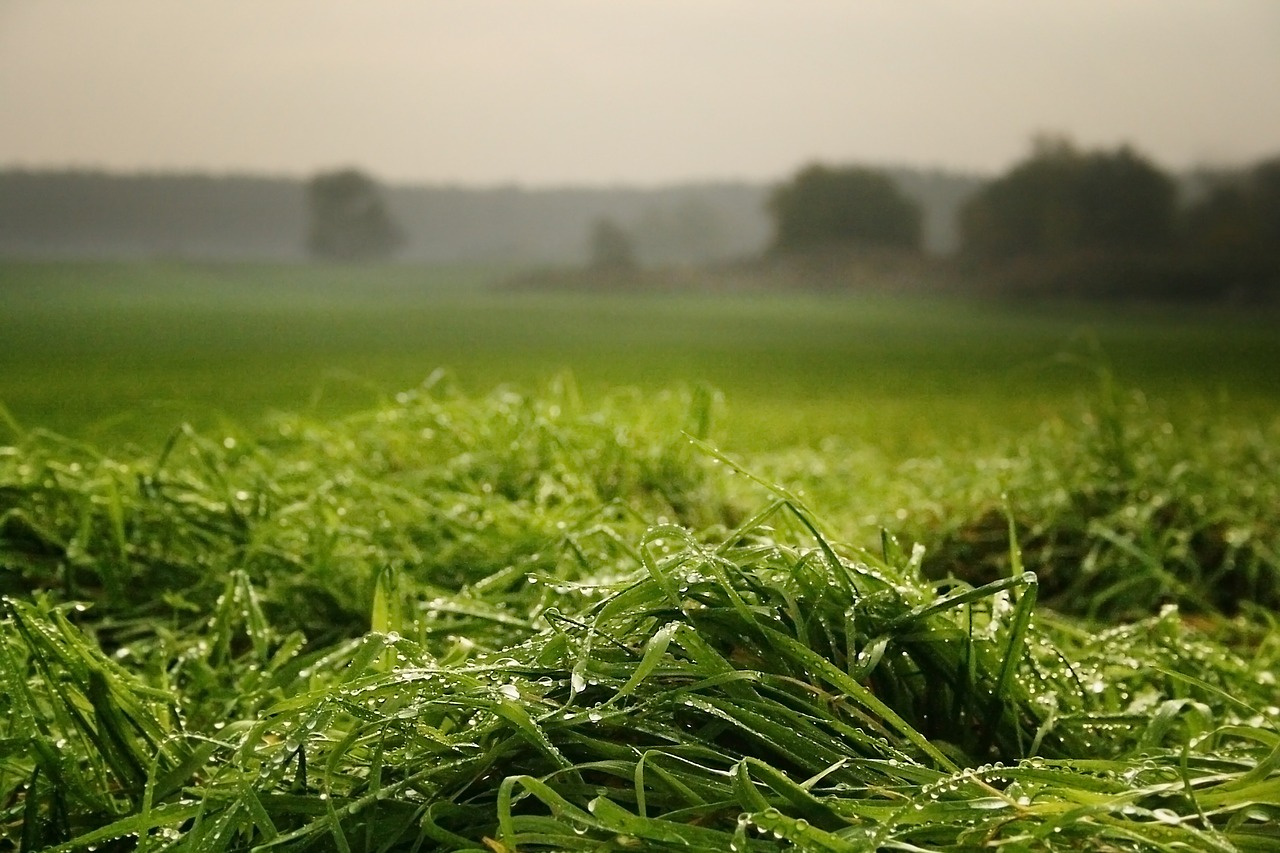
(491, 93)
(504, 133)
(81, 214)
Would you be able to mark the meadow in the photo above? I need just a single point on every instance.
(130, 351)
(633, 571)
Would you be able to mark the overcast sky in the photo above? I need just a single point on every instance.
(543, 92)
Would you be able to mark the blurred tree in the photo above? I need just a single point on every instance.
(1125, 202)
(1234, 230)
(1061, 200)
(1266, 193)
(1221, 223)
(349, 221)
(610, 247)
(847, 207)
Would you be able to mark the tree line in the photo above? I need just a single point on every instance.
(94, 214)
(1061, 222)
(104, 215)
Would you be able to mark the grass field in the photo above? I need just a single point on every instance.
(130, 351)
(937, 576)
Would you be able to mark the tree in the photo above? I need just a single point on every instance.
(1234, 230)
(349, 221)
(1060, 200)
(848, 207)
(610, 247)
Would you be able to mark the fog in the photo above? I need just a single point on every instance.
(486, 92)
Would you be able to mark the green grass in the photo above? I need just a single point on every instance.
(568, 615)
(127, 352)
(533, 622)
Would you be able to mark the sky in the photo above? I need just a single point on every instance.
(640, 92)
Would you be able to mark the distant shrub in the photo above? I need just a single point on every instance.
(824, 208)
(610, 247)
(349, 221)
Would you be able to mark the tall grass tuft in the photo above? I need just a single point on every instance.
(523, 622)
(1128, 512)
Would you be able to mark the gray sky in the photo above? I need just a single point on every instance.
(637, 91)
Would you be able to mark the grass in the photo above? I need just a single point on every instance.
(553, 616)
(526, 621)
(122, 353)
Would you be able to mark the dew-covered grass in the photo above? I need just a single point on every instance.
(541, 618)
